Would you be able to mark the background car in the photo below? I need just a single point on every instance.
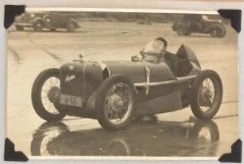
(52, 21)
(201, 24)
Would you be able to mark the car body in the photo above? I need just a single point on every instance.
(188, 24)
(51, 20)
(115, 92)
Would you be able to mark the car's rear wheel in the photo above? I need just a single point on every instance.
(38, 26)
(188, 32)
(19, 28)
(71, 27)
(217, 32)
(115, 103)
(53, 29)
(206, 95)
(181, 31)
(45, 95)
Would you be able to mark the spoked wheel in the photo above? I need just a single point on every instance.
(45, 95)
(53, 29)
(115, 102)
(71, 27)
(206, 95)
(214, 32)
(181, 31)
(38, 26)
(217, 32)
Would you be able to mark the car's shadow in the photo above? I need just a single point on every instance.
(156, 138)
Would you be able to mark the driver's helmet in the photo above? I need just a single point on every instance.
(152, 50)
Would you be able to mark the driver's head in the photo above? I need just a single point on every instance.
(157, 46)
(162, 40)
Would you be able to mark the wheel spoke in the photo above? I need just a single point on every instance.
(52, 82)
(118, 103)
(50, 85)
(206, 95)
(208, 83)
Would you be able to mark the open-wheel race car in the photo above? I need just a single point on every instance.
(116, 92)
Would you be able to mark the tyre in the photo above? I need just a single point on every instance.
(222, 32)
(188, 33)
(206, 95)
(53, 29)
(19, 28)
(217, 32)
(71, 27)
(181, 31)
(38, 26)
(45, 95)
(115, 102)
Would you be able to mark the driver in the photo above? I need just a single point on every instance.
(155, 51)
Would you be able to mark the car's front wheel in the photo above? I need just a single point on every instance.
(206, 95)
(115, 103)
(45, 95)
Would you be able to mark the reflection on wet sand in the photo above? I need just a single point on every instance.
(157, 138)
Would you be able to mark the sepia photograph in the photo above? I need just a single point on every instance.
(132, 83)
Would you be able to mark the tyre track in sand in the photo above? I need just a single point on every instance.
(16, 55)
(13, 61)
(52, 55)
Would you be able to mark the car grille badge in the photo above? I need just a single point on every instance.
(69, 78)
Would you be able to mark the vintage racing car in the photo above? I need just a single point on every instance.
(116, 92)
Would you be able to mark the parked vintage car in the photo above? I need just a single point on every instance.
(51, 20)
(114, 92)
(200, 24)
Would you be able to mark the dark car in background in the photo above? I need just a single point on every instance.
(51, 20)
(207, 24)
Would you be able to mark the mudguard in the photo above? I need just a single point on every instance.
(215, 25)
(72, 20)
(36, 19)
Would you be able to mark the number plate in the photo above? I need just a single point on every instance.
(71, 100)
